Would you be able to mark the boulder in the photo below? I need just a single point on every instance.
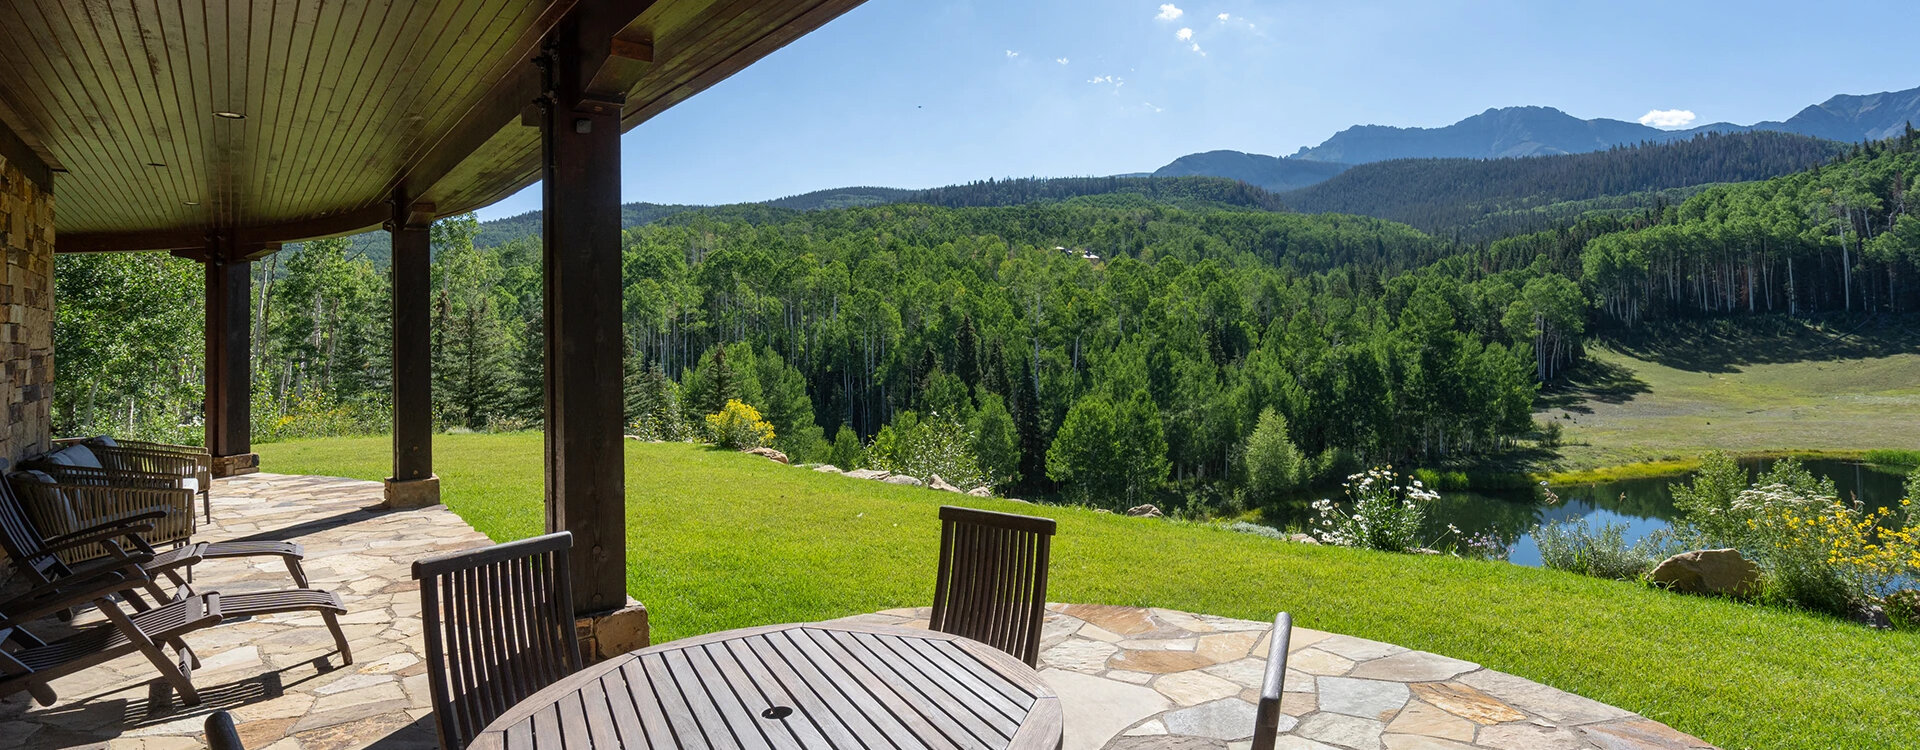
(828, 469)
(633, 437)
(769, 454)
(1708, 571)
(1304, 539)
(868, 474)
(1018, 500)
(935, 482)
(1144, 511)
(904, 480)
(980, 492)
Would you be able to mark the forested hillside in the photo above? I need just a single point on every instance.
(1465, 197)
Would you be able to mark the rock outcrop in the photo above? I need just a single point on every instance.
(1708, 571)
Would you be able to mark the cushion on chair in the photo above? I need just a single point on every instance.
(75, 455)
(103, 441)
(62, 507)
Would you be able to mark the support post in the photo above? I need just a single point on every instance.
(585, 457)
(413, 484)
(229, 404)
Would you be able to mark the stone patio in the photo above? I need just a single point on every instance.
(1132, 678)
(1128, 677)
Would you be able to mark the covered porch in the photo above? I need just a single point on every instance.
(1128, 677)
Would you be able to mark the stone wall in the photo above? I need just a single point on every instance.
(26, 313)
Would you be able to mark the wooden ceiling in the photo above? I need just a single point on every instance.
(340, 103)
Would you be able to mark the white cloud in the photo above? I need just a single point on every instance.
(1226, 16)
(1012, 54)
(1154, 108)
(1060, 60)
(1185, 35)
(1169, 12)
(1196, 48)
(1668, 118)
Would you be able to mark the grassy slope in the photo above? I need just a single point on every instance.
(1764, 388)
(723, 540)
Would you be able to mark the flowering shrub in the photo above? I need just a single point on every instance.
(1830, 555)
(1384, 512)
(739, 426)
(923, 448)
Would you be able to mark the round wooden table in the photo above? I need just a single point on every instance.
(816, 685)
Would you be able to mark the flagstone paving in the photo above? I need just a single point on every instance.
(1129, 678)
(1132, 678)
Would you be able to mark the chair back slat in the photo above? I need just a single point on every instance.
(21, 538)
(1266, 718)
(991, 583)
(499, 627)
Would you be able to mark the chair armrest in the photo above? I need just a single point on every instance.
(102, 534)
(69, 592)
(120, 525)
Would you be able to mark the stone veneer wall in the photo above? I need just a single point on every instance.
(26, 313)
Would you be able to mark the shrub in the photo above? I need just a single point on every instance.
(1903, 608)
(1827, 555)
(996, 442)
(1385, 513)
(1444, 481)
(315, 415)
(847, 452)
(1893, 457)
(1552, 433)
(1257, 530)
(739, 426)
(923, 448)
(1274, 466)
(1576, 546)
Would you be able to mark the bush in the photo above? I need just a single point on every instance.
(1258, 530)
(1444, 481)
(939, 445)
(739, 426)
(847, 452)
(1903, 608)
(1577, 547)
(1274, 466)
(1893, 458)
(1385, 513)
(1551, 432)
(316, 415)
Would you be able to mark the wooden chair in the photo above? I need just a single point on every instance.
(1266, 719)
(992, 581)
(41, 558)
(64, 499)
(29, 663)
(221, 733)
(47, 537)
(499, 627)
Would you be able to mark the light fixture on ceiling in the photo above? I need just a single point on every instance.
(191, 203)
(224, 115)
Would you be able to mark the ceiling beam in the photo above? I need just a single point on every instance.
(24, 157)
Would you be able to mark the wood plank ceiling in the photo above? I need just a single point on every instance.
(282, 120)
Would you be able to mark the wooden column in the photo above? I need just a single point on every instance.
(229, 406)
(586, 486)
(413, 483)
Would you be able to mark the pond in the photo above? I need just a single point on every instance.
(1644, 505)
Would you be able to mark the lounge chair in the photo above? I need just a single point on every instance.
(1266, 718)
(31, 663)
(65, 499)
(992, 580)
(40, 557)
(45, 510)
(499, 627)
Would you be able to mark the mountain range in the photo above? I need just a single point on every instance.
(1533, 131)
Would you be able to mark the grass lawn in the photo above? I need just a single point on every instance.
(722, 540)
(1766, 387)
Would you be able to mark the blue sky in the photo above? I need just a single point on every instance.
(921, 93)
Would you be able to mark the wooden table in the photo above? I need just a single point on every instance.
(818, 685)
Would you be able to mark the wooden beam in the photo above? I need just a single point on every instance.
(585, 453)
(229, 336)
(412, 272)
(25, 158)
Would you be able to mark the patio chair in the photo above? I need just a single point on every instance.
(1266, 719)
(992, 580)
(65, 499)
(30, 663)
(221, 733)
(44, 510)
(188, 462)
(40, 558)
(499, 627)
